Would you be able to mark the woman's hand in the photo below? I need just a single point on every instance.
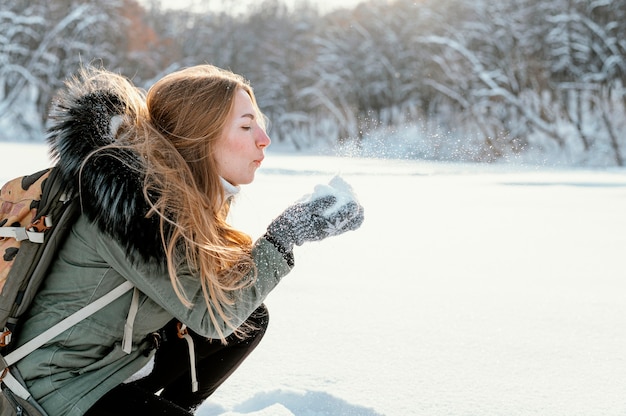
(314, 220)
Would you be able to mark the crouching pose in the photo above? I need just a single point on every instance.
(155, 174)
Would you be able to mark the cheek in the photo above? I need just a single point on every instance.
(223, 156)
(236, 148)
(228, 154)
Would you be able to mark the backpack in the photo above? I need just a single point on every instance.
(35, 217)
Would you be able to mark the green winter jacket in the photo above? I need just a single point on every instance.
(70, 373)
(113, 240)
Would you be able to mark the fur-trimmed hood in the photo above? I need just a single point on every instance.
(109, 183)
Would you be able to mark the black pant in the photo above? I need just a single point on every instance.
(215, 362)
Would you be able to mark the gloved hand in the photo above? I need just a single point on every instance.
(315, 219)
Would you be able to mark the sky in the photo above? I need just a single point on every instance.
(484, 290)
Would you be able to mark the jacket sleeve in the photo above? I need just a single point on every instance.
(153, 281)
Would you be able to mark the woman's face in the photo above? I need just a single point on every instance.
(240, 150)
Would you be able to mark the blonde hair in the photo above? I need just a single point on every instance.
(174, 128)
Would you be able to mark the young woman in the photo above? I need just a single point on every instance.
(155, 175)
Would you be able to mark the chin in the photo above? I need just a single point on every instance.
(245, 180)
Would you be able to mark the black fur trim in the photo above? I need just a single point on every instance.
(110, 182)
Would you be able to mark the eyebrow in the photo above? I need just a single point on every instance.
(250, 116)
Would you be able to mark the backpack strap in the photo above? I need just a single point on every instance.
(66, 323)
(30, 233)
(10, 381)
(15, 386)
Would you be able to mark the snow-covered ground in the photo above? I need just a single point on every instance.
(469, 290)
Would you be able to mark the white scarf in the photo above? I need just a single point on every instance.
(230, 190)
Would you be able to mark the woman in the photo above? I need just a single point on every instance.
(155, 175)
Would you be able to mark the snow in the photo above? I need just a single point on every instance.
(338, 188)
(469, 290)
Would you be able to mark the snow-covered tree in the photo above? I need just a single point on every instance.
(588, 67)
(44, 41)
(530, 68)
(496, 77)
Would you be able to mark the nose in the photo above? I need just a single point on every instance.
(262, 139)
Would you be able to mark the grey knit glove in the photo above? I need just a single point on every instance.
(326, 213)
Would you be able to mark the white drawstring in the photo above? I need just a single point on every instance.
(184, 334)
(127, 341)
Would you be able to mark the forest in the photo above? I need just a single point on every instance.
(479, 81)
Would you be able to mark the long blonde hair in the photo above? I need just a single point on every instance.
(174, 128)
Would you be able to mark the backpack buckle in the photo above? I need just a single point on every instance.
(5, 339)
(181, 330)
(41, 224)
